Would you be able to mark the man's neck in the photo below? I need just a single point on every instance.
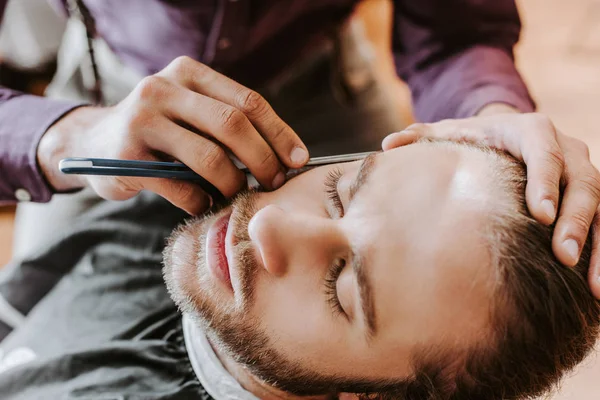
(254, 385)
(224, 378)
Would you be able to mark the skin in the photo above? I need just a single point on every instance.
(191, 113)
(555, 162)
(419, 235)
(186, 112)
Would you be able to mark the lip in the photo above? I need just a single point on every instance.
(217, 250)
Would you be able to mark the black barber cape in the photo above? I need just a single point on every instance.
(107, 328)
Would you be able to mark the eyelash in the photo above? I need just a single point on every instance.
(330, 286)
(331, 182)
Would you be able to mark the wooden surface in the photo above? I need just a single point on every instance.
(6, 229)
(559, 57)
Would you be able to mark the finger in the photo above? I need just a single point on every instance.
(230, 127)
(183, 194)
(545, 166)
(204, 114)
(580, 202)
(399, 139)
(594, 270)
(202, 155)
(544, 158)
(467, 130)
(204, 80)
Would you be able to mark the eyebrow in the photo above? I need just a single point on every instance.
(364, 283)
(364, 171)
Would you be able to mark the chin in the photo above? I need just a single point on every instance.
(191, 282)
(181, 266)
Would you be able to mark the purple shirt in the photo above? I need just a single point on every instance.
(456, 56)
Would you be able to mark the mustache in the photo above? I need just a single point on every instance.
(244, 208)
(190, 237)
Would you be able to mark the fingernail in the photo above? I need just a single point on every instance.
(389, 138)
(279, 180)
(572, 248)
(549, 209)
(299, 155)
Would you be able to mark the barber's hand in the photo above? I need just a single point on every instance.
(552, 159)
(186, 112)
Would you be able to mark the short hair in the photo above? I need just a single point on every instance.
(544, 319)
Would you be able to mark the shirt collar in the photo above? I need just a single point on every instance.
(208, 368)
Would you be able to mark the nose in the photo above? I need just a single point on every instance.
(287, 239)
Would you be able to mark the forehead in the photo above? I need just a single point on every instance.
(418, 222)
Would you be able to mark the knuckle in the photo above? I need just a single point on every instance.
(182, 191)
(280, 131)
(585, 150)
(556, 158)
(543, 123)
(188, 72)
(269, 162)
(151, 87)
(581, 147)
(232, 119)
(591, 183)
(581, 223)
(213, 157)
(181, 64)
(250, 102)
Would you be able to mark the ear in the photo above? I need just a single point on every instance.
(347, 396)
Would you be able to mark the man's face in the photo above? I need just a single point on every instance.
(345, 272)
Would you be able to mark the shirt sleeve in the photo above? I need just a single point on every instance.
(23, 121)
(457, 56)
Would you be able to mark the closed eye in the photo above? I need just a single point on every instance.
(331, 279)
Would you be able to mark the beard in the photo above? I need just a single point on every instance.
(230, 325)
(189, 280)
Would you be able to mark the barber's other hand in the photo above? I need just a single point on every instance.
(552, 159)
(186, 112)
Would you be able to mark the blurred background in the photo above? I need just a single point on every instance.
(559, 57)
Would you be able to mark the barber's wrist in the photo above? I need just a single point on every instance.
(497, 108)
(65, 138)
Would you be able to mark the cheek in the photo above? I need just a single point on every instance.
(302, 328)
(294, 314)
(291, 307)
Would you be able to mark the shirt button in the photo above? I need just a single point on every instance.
(224, 44)
(22, 195)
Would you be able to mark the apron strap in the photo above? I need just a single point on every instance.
(80, 10)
